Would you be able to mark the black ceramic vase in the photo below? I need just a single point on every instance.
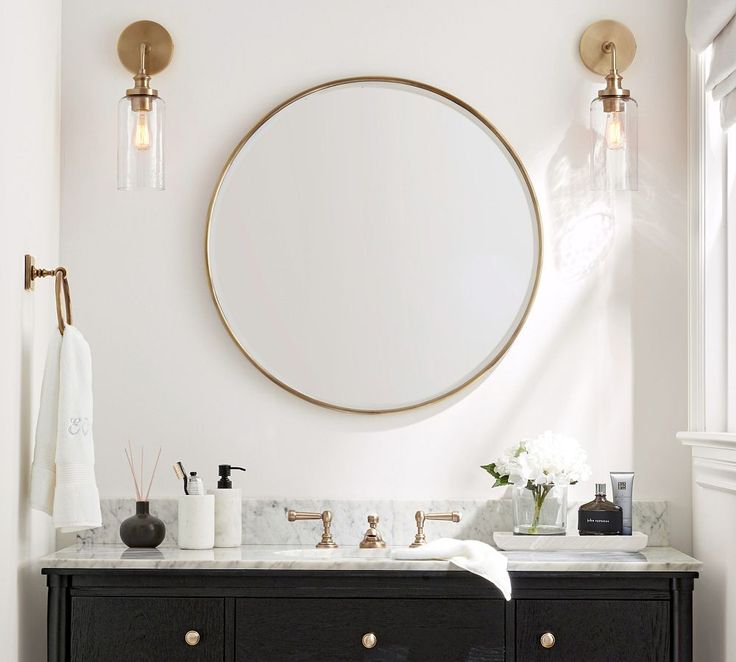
(142, 529)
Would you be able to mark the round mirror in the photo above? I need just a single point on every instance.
(373, 245)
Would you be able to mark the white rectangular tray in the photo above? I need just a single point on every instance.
(571, 542)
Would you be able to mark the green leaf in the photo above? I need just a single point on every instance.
(501, 480)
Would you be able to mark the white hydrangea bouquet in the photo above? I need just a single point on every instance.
(540, 464)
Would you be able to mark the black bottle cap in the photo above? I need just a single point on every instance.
(224, 470)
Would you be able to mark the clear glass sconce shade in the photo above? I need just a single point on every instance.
(615, 151)
(140, 143)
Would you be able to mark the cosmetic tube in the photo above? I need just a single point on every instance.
(622, 483)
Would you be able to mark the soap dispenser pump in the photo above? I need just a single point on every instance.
(224, 470)
(228, 509)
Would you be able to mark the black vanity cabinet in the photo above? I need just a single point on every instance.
(339, 616)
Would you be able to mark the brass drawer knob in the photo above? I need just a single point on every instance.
(192, 637)
(547, 640)
(369, 640)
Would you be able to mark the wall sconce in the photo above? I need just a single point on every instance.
(608, 48)
(144, 48)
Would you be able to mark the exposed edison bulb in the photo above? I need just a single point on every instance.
(142, 136)
(615, 131)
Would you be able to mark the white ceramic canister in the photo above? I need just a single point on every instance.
(196, 521)
(228, 517)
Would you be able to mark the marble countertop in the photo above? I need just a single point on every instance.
(290, 557)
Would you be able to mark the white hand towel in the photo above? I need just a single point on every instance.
(76, 501)
(43, 471)
(471, 555)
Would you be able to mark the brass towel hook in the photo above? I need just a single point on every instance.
(59, 273)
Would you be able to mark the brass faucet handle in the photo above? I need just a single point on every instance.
(327, 541)
(454, 516)
(420, 517)
(294, 515)
(372, 538)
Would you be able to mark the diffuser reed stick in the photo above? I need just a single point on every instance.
(132, 472)
(153, 473)
(138, 480)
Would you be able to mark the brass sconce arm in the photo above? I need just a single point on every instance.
(610, 47)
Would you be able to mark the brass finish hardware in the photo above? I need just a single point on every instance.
(369, 640)
(467, 108)
(420, 539)
(192, 637)
(144, 48)
(372, 538)
(596, 57)
(547, 640)
(608, 48)
(62, 284)
(326, 516)
(159, 47)
(31, 272)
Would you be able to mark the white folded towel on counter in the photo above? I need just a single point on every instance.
(471, 555)
(63, 480)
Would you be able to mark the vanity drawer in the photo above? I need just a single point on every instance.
(593, 630)
(406, 630)
(121, 629)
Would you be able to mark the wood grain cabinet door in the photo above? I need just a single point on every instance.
(112, 629)
(405, 630)
(593, 630)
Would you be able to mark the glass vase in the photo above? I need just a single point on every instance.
(540, 510)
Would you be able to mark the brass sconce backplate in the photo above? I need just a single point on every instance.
(158, 39)
(599, 33)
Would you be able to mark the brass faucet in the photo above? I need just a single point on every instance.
(326, 516)
(372, 538)
(420, 539)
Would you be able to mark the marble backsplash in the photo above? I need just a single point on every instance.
(265, 523)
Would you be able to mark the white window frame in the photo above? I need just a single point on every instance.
(712, 287)
(711, 364)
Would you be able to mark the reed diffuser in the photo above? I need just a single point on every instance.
(142, 529)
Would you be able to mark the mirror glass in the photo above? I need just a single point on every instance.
(373, 245)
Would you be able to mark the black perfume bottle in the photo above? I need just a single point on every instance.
(600, 517)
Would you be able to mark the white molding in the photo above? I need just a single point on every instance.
(719, 440)
(697, 141)
(714, 459)
(708, 271)
(715, 474)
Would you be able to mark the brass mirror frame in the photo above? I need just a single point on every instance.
(449, 97)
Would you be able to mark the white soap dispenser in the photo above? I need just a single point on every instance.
(228, 510)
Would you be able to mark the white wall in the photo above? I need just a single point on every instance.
(602, 357)
(29, 222)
